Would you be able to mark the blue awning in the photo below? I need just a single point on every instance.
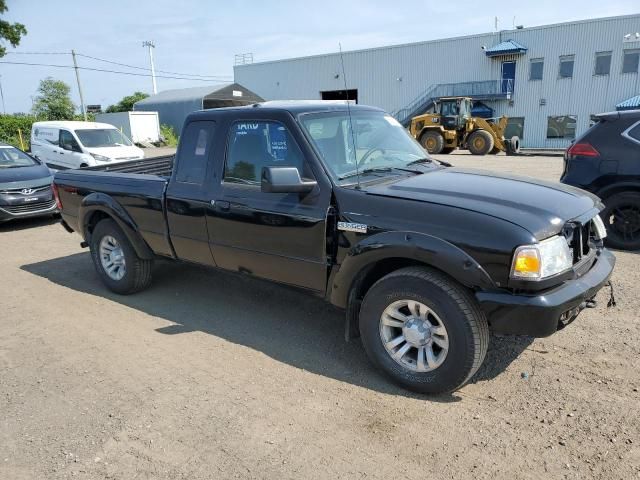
(510, 47)
(629, 104)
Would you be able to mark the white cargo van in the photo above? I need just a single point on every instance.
(81, 144)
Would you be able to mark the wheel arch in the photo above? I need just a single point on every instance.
(96, 207)
(616, 188)
(381, 254)
(431, 128)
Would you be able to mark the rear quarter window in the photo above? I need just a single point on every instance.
(195, 148)
(633, 133)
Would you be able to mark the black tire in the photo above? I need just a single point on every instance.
(432, 142)
(621, 217)
(513, 145)
(137, 274)
(480, 142)
(465, 323)
(448, 150)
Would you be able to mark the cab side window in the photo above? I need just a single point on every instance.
(67, 141)
(253, 145)
(196, 145)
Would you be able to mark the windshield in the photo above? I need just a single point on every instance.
(11, 157)
(102, 137)
(381, 143)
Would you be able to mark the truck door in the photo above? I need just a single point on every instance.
(187, 198)
(279, 236)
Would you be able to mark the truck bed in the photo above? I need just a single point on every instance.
(161, 166)
(136, 187)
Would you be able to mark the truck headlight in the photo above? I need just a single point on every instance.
(100, 158)
(542, 260)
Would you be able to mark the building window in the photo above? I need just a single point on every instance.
(535, 68)
(515, 127)
(630, 61)
(566, 66)
(603, 63)
(561, 126)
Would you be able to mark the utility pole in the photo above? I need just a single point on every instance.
(75, 66)
(151, 45)
(4, 110)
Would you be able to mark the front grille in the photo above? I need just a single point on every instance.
(18, 191)
(29, 207)
(582, 240)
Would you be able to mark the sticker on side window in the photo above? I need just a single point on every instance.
(201, 144)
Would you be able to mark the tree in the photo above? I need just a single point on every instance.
(53, 101)
(126, 104)
(11, 32)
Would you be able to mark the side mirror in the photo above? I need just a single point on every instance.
(284, 180)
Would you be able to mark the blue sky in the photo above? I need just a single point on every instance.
(201, 37)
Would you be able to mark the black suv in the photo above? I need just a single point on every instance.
(606, 161)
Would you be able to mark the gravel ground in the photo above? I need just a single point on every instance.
(208, 375)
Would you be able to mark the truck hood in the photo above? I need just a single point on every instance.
(540, 207)
(118, 153)
(24, 177)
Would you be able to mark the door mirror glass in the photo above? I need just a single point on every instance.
(72, 147)
(284, 180)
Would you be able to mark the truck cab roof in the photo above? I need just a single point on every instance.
(295, 107)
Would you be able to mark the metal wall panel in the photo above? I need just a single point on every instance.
(392, 77)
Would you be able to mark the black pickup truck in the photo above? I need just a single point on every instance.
(340, 201)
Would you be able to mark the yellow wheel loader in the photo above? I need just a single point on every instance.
(451, 126)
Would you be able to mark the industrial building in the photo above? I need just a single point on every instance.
(549, 80)
(173, 106)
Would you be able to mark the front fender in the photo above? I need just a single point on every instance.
(104, 203)
(422, 248)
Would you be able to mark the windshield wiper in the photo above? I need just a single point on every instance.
(365, 171)
(430, 160)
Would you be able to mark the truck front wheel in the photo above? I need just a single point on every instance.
(480, 142)
(423, 330)
(432, 142)
(116, 261)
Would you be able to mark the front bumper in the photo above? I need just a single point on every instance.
(543, 314)
(11, 212)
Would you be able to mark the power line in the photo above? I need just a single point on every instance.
(214, 77)
(110, 71)
(37, 53)
(148, 69)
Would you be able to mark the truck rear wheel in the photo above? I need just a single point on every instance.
(116, 261)
(423, 330)
(432, 142)
(480, 142)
